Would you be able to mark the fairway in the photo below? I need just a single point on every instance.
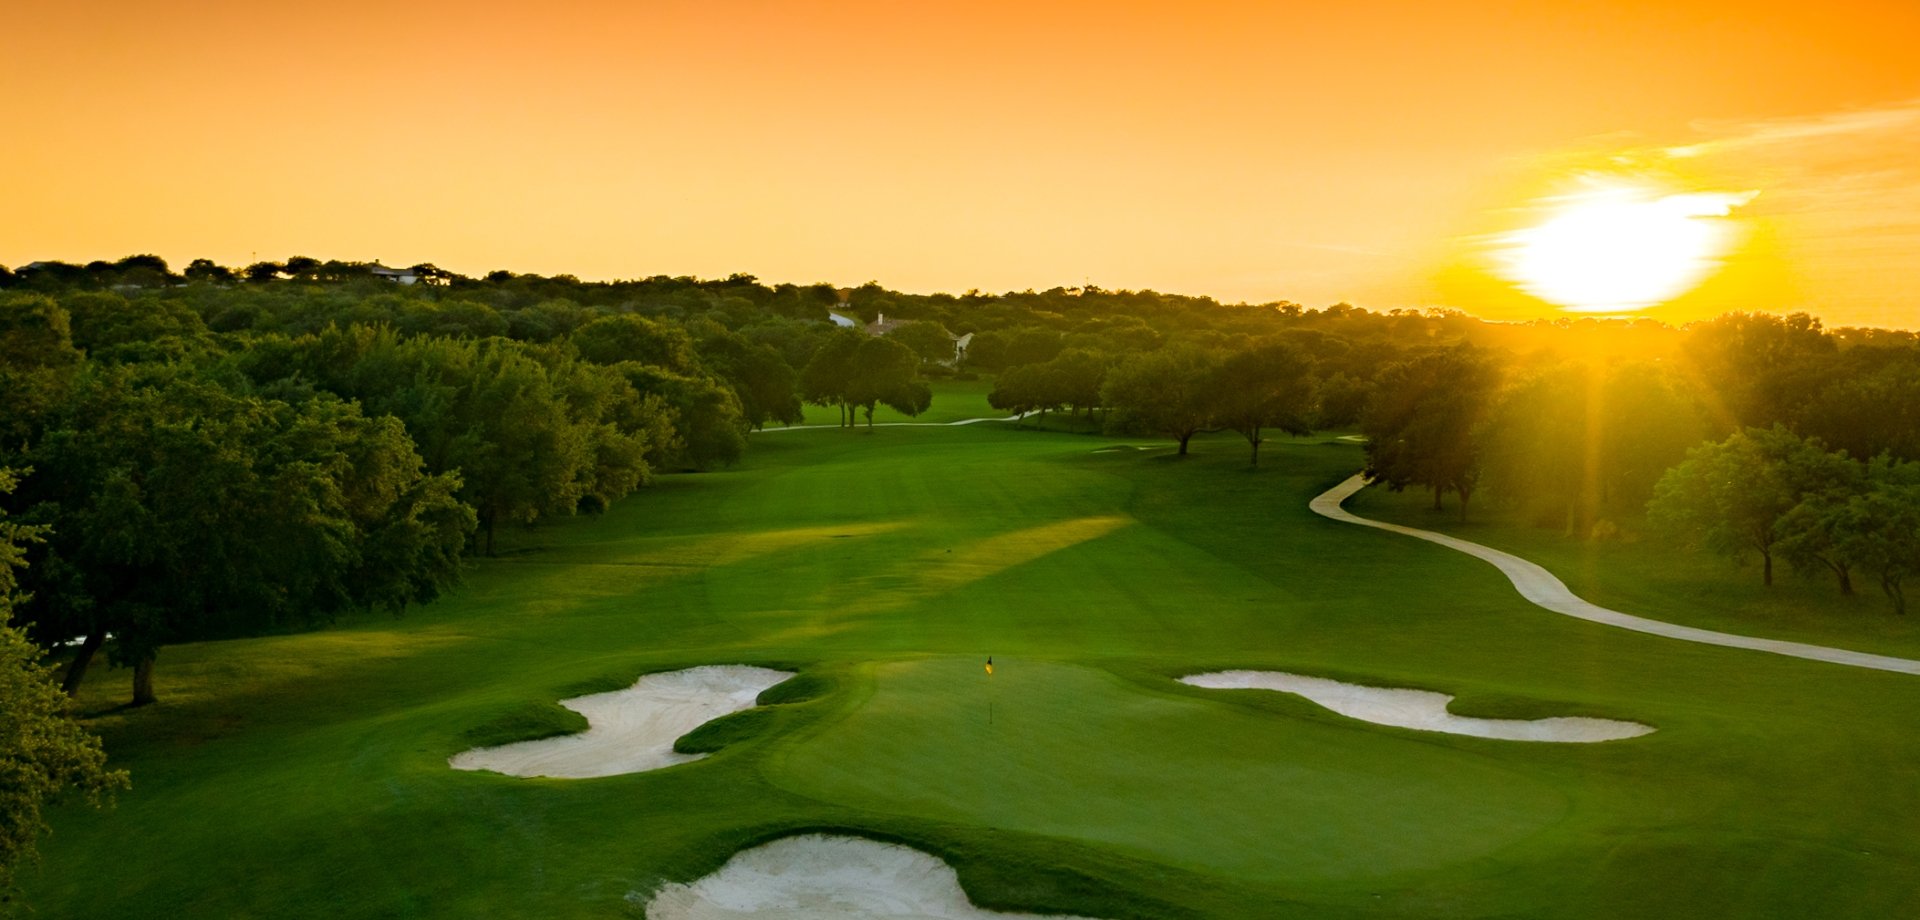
(884, 567)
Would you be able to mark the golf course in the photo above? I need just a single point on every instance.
(307, 775)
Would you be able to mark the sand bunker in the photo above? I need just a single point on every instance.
(631, 730)
(1423, 710)
(818, 877)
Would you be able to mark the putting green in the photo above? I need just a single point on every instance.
(1074, 752)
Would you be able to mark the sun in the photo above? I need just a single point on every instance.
(1620, 247)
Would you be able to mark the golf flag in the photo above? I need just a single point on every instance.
(989, 665)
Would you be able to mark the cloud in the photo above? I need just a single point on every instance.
(1837, 127)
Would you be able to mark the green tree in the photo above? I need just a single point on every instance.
(997, 349)
(1074, 378)
(1871, 407)
(183, 512)
(1758, 367)
(1267, 385)
(828, 377)
(37, 362)
(761, 379)
(709, 428)
(1341, 400)
(626, 337)
(928, 338)
(1879, 529)
(1576, 442)
(1020, 390)
(489, 409)
(110, 328)
(1167, 392)
(302, 268)
(885, 372)
(1731, 496)
(44, 753)
(208, 271)
(1423, 421)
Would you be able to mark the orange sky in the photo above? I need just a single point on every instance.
(1311, 152)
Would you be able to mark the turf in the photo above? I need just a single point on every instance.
(305, 775)
(956, 400)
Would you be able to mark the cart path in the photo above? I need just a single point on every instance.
(1544, 590)
(964, 421)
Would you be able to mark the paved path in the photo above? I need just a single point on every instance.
(964, 421)
(1539, 586)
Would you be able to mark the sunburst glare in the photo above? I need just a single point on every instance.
(1620, 247)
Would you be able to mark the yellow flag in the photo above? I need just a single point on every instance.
(989, 665)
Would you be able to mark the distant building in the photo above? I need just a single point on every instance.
(844, 322)
(960, 343)
(882, 326)
(395, 275)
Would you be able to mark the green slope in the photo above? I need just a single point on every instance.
(304, 775)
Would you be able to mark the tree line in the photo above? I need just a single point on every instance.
(405, 425)
(194, 484)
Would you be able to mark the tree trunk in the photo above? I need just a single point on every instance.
(1436, 499)
(77, 670)
(869, 418)
(1255, 441)
(1183, 443)
(143, 680)
(1841, 572)
(1766, 568)
(1892, 587)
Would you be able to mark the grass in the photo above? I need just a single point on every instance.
(954, 400)
(305, 775)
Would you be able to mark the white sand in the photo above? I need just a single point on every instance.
(818, 877)
(1423, 710)
(631, 730)
(1544, 590)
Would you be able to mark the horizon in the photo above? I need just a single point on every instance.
(1558, 316)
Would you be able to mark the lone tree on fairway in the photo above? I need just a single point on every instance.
(1270, 384)
(883, 371)
(825, 379)
(1166, 392)
(1422, 422)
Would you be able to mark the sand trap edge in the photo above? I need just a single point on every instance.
(1418, 710)
(631, 730)
(825, 876)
